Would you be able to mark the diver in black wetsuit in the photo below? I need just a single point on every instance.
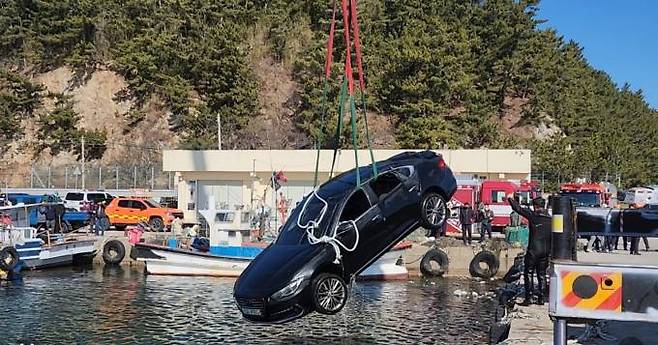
(539, 247)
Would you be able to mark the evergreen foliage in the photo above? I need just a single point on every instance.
(445, 72)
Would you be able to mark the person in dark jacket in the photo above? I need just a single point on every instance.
(539, 247)
(466, 218)
(487, 218)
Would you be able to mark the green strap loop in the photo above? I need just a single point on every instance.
(354, 139)
(365, 122)
(339, 128)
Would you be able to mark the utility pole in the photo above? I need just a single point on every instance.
(219, 132)
(83, 162)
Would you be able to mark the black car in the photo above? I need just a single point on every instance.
(336, 231)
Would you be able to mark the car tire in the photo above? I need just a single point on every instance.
(329, 293)
(433, 210)
(434, 255)
(8, 258)
(489, 259)
(157, 224)
(113, 252)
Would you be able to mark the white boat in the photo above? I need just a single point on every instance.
(33, 251)
(61, 250)
(389, 266)
(162, 260)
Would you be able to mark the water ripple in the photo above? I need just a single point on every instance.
(117, 305)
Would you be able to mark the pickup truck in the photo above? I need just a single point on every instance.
(123, 211)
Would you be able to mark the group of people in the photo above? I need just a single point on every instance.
(480, 218)
(608, 244)
(98, 221)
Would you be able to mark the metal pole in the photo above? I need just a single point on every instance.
(169, 180)
(152, 177)
(134, 176)
(66, 177)
(560, 332)
(49, 178)
(116, 177)
(32, 177)
(100, 177)
(83, 162)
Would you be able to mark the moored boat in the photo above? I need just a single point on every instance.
(389, 266)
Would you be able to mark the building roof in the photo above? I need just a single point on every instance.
(460, 161)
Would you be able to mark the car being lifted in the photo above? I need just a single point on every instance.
(339, 229)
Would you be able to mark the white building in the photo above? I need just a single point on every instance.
(241, 177)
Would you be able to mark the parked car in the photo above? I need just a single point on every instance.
(340, 229)
(124, 211)
(75, 200)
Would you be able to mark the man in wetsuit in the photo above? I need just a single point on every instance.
(539, 247)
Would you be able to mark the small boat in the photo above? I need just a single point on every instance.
(228, 261)
(59, 250)
(40, 250)
(389, 266)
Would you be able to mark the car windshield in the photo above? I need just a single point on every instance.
(583, 199)
(151, 203)
(292, 234)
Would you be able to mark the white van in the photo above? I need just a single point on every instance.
(642, 195)
(76, 199)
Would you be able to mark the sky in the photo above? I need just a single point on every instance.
(619, 37)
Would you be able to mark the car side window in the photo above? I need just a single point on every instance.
(124, 203)
(136, 204)
(74, 196)
(356, 205)
(384, 184)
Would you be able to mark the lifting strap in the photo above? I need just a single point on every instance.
(347, 89)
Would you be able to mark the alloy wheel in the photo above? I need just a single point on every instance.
(331, 294)
(435, 210)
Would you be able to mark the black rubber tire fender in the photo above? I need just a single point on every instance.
(113, 246)
(438, 256)
(315, 286)
(424, 217)
(8, 258)
(490, 259)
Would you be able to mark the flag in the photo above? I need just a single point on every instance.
(277, 178)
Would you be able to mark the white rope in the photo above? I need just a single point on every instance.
(332, 238)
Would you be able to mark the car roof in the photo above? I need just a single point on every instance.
(344, 183)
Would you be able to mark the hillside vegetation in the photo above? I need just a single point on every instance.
(443, 74)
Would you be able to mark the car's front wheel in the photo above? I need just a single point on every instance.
(156, 224)
(434, 210)
(329, 293)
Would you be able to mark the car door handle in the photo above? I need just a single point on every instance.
(376, 218)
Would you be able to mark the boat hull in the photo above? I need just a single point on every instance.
(34, 255)
(168, 261)
(386, 268)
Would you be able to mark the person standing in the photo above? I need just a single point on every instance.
(466, 219)
(539, 247)
(101, 218)
(487, 218)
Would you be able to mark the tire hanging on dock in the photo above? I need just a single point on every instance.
(440, 258)
(489, 259)
(113, 252)
(8, 258)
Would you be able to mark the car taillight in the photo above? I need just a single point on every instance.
(442, 163)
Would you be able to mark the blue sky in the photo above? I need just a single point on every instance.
(619, 37)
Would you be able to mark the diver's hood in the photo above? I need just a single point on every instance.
(274, 268)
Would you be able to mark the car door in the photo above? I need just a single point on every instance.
(120, 213)
(398, 198)
(361, 212)
(138, 212)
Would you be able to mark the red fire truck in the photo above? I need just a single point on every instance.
(493, 193)
(589, 194)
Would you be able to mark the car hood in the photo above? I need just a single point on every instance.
(274, 268)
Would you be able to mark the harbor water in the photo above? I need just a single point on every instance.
(115, 305)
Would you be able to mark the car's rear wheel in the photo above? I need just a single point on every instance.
(434, 210)
(156, 224)
(329, 293)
